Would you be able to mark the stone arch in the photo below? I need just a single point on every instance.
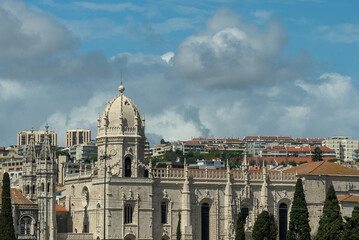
(128, 165)
(27, 225)
(245, 210)
(283, 219)
(129, 237)
(85, 196)
(164, 206)
(207, 218)
(165, 237)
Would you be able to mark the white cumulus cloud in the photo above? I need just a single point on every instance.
(231, 52)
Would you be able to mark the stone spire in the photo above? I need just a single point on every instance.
(46, 172)
(29, 170)
(245, 171)
(143, 120)
(229, 224)
(98, 121)
(31, 152)
(264, 190)
(186, 227)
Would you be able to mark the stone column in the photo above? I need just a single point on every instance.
(186, 227)
(228, 214)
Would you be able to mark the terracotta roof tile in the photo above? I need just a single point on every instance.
(60, 208)
(19, 198)
(318, 168)
(349, 198)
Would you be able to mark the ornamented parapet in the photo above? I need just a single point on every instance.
(74, 236)
(220, 174)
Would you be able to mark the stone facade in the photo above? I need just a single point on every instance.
(123, 198)
(39, 186)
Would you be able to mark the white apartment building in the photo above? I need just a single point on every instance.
(343, 146)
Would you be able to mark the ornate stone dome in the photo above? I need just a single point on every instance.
(121, 115)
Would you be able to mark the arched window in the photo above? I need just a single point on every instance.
(205, 221)
(33, 189)
(42, 187)
(244, 214)
(48, 187)
(283, 221)
(128, 213)
(164, 211)
(25, 226)
(127, 167)
(146, 173)
(27, 189)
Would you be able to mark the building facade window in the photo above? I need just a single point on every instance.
(283, 221)
(127, 167)
(205, 221)
(128, 213)
(164, 211)
(244, 214)
(25, 226)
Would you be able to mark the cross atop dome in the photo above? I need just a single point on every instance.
(121, 88)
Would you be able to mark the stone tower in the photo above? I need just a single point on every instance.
(121, 134)
(29, 170)
(39, 185)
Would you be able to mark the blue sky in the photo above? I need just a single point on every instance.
(195, 68)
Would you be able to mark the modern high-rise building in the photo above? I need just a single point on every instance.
(77, 136)
(23, 137)
(343, 146)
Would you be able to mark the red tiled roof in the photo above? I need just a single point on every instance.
(191, 143)
(287, 159)
(310, 140)
(297, 149)
(319, 168)
(60, 208)
(272, 138)
(19, 198)
(349, 198)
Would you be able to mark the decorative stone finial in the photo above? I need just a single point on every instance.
(47, 127)
(121, 88)
(32, 130)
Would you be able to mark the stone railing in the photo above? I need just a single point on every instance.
(74, 236)
(219, 174)
(72, 176)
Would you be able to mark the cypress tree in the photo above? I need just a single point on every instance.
(7, 231)
(317, 155)
(331, 223)
(299, 228)
(265, 227)
(351, 227)
(240, 235)
(178, 232)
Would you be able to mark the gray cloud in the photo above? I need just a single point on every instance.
(345, 33)
(67, 89)
(231, 52)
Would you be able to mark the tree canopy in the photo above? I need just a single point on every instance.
(6, 221)
(351, 227)
(299, 228)
(317, 155)
(240, 234)
(265, 227)
(178, 232)
(331, 223)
